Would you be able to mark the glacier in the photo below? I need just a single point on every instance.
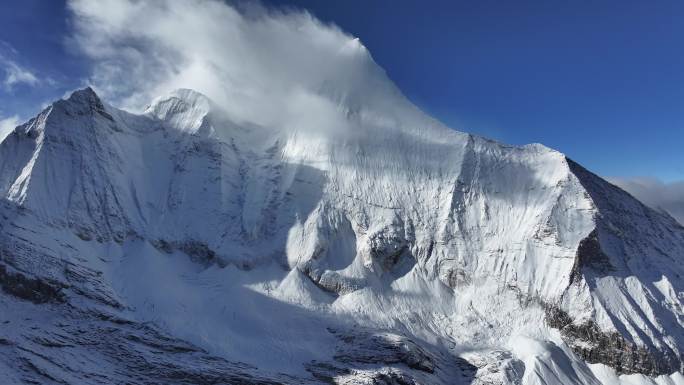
(369, 244)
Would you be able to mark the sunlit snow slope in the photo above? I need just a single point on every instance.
(365, 244)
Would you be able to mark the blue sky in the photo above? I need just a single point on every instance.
(602, 82)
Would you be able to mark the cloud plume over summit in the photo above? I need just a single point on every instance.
(269, 67)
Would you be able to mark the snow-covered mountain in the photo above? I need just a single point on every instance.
(182, 245)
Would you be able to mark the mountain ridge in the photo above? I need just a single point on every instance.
(455, 245)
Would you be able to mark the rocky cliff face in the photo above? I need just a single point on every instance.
(382, 251)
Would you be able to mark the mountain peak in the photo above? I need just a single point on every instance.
(82, 102)
(85, 96)
(183, 108)
(190, 96)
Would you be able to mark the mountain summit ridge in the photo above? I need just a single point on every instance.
(365, 251)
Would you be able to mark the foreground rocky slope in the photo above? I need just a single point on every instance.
(181, 246)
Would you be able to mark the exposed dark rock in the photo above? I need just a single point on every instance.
(590, 255)
(387, 247)
(457, 277)
(384, 348)
(197, 251)
(331, 374)
(392, 378)
(163, 245)
(593, 345)
(364, 356)
(330, 281)
(326, 372)
(32, 289)
(498, 367)
(84, 281)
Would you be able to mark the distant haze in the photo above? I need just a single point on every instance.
(657, 194)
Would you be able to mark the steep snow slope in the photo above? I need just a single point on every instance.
(360, 242)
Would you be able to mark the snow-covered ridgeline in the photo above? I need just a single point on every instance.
(366, 210)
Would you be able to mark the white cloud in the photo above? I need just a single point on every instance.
(7, 125)
(15, 74)
(12, 72)
(274, 68)
(655, 193)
